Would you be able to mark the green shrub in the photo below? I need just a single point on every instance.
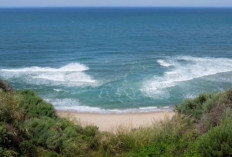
(10, 112)
(3, 134)
(207, 110)
(168, 144)
(27, 148)
(44, 131)
(35, 106)
(75, 147)
(217, 142)
(196, 107)
(46, 153)
(192, 150)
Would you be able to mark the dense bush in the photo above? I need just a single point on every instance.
(207, 110)
(29, 127)
(197, 107)
(217, 142)
(34, 105)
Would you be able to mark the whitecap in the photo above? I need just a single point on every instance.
(57, 90)
(164, 63)
(184, 68)
(70, 74)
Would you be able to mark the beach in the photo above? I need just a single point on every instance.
(111, 122)
(116, 78)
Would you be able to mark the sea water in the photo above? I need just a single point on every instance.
(116, 59)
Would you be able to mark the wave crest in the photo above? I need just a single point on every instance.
(164, 63)
(184, 68)
(73, 73)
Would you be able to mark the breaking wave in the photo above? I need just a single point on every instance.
(165, 63)
(74, 105)
(70, 74)
(184, 68)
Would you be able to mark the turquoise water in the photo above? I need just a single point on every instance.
(116, 59)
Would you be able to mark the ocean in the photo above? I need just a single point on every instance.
(116, 60)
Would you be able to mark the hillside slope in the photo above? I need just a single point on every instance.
(30, 127)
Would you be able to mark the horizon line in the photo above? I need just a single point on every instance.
(15, 7)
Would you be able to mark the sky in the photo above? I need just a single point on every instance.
(115, 3)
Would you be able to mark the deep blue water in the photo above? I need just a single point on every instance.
(116, 59)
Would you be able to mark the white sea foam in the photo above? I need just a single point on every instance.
(70, 74)
(184, 68)
(72, 67)
(57, 90)
(165, 63)
(74, 105)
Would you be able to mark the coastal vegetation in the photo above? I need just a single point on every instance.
(201, 127)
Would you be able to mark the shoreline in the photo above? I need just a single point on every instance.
(98, 110)
(112, 121)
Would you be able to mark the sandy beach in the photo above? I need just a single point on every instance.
(110, 122)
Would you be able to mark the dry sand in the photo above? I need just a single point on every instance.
(111, 122)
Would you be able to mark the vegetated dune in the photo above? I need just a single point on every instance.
(200, 127)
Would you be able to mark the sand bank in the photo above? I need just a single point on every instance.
(110, 122)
